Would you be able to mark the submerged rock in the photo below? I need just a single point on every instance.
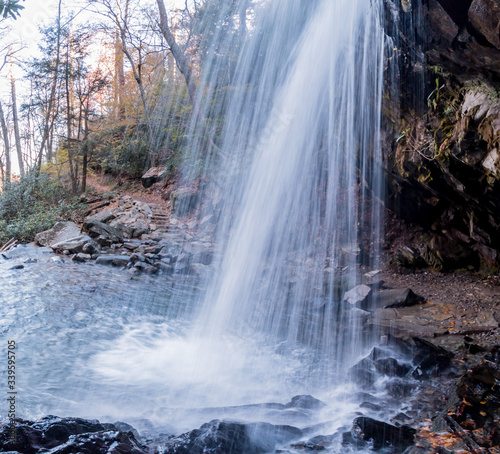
(305, 402)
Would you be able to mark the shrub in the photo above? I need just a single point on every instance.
(33, 204)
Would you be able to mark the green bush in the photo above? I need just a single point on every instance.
(33, 204)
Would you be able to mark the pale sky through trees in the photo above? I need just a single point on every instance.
(25, 36)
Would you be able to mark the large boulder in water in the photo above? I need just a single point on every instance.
(226, 437)
(61, 231)
(67, 436)
(379, 434)
(75, 245)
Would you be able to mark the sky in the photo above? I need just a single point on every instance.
(25, 33)
(43, 12)
(39, 12)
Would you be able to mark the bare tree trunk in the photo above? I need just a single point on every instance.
(48, 123)
(180, 59)
(72, 172)
(85, 149)
(16, 125)
(119, 77)
(184, 67)
(2, 170)
(5, 133)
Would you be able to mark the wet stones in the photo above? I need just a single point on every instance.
(226, 437)
(61, 231)
(112, 240)
(418, 359)
(305, 402)
(366, 431)
(68, 436)
(366, 298)
(113, 260)
(474, 408)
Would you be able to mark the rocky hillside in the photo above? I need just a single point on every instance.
(443, 158)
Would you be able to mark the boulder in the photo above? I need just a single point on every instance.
(154, 175)
(113, 260)
(358, 296)
(75, 245)
(61, 231)
(485, 17)
(99, 229)
(103, 216)
(391, 367)
(184, 201)
(363, 372)
(381, 434)
(68, 436)
(399, 297)
(227, 437)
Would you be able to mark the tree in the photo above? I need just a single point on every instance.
(179, 56)
(15, 116)
(5, 134)
(49, 122)
(10, 8)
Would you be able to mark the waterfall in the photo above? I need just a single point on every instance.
(298, 158)
(292, 185)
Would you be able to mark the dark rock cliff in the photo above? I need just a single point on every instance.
(443, 118)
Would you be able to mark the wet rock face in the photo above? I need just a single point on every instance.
(379, 434)
(474, 409)
(67, 435)
(445, 176)
(444, 159)
(462, 36)
(225, 437)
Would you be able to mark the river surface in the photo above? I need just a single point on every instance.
(100, 343)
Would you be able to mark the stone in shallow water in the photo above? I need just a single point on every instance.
(68, 436)
(113, 260)
(226, 437)
(74, 245)
(381, 434)
(305, 402)
(61, 231)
